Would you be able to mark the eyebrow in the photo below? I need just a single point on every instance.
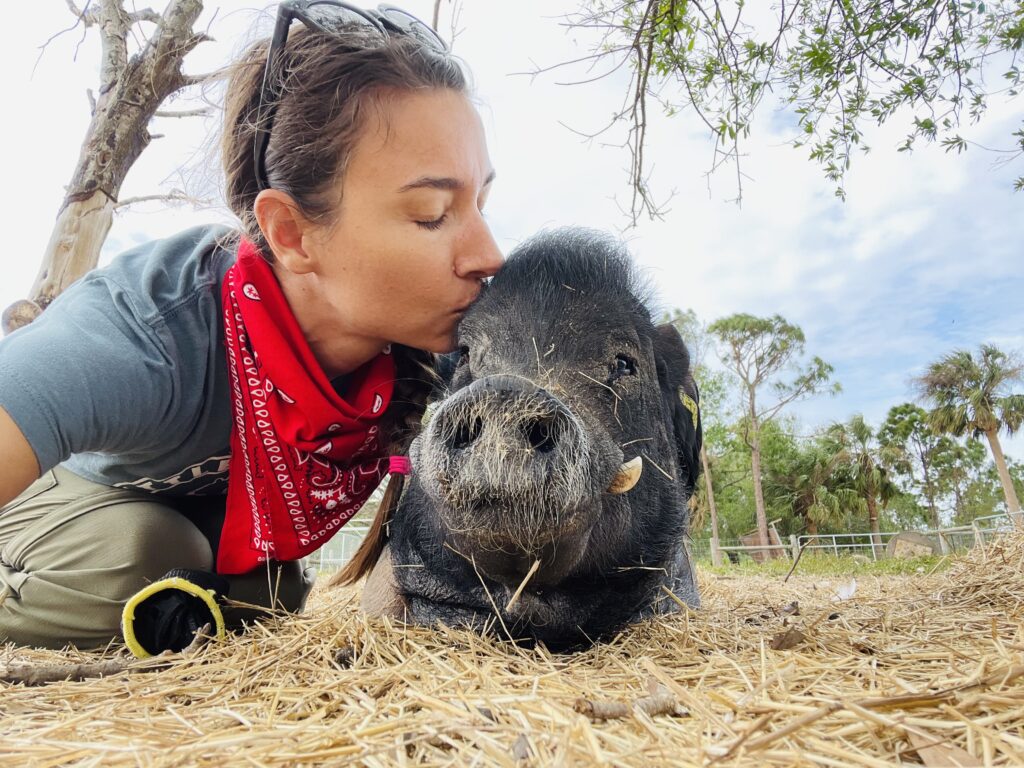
(441, 182)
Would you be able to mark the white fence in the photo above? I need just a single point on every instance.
(335, 553)
(949, 540)
(338, 550)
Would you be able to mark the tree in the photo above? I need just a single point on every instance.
(903, 513)
(758, 350)
(958, 473)
(838, 65)
(855, 446)
(982, 493)
(811, 486)
(914, 449)
(130, 93)
(970, 396)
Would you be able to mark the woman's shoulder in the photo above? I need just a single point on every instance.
(160, 275)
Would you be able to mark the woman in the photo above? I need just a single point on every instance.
(285, 365)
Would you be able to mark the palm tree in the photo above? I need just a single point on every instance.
(969, 395)
(811, 485)
(857, 449)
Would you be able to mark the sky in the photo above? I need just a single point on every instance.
(926, 254)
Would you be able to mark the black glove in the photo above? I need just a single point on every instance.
(166, 615)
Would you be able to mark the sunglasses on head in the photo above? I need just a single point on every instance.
(328, 17)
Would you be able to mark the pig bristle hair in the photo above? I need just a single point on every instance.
(578, 259)
(509, 472)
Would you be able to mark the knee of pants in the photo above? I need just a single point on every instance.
(67, 577)
(155, 540)
(112, 550)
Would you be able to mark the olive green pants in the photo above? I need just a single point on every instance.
(73, 551)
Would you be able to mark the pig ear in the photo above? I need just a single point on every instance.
(682, 400)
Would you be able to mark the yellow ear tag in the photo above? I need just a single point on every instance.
(691, 405)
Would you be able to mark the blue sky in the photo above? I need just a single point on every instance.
(927, 254)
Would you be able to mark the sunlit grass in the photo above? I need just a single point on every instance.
(830, 565)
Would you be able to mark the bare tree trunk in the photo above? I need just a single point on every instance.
(933, 509)
(876, 538)
(716, 553)
(929, 491)
(1012, 504)
(75, 243)
(760, 513)
(958, 503)
(131, 90)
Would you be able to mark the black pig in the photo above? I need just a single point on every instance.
(563, 456)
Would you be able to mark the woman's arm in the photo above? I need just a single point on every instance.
(18, 465)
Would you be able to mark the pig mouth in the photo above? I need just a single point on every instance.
(535, 561)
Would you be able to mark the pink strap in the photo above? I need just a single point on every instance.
(399, 465)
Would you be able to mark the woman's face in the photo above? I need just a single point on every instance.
(410, 246)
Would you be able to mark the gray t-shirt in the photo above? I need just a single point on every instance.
(123, 379)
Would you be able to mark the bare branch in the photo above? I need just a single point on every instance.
(146, 14)
(595, 57)
(200, 112)
(84, 17)
(31, 674)
(174, 196)
(190, 80)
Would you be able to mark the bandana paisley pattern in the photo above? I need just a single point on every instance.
(303, 458)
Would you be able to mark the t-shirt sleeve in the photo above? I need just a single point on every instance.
(92, 373)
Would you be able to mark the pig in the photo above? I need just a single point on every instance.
(548, 499)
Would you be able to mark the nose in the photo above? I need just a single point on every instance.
(479, 256)
(523, 414)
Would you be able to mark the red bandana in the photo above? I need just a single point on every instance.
(303, 459)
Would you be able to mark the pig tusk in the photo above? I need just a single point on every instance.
(627, 476)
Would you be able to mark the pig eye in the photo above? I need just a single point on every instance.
(623, 366)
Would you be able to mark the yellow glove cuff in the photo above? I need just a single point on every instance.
(184, 585)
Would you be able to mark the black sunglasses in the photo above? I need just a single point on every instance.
(327, 16)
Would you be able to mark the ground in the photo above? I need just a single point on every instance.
(838, 669)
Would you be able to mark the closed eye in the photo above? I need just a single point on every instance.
(434, 223)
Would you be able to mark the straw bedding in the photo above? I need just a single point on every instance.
(900, 670)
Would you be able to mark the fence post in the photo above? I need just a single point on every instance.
(943, 544)
(794, 546)
(835, 545)
(716, 553)
(979, 538)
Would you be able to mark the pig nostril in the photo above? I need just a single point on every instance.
(540, 434)
(467, 433)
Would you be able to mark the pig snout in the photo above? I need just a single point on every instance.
(510, 465)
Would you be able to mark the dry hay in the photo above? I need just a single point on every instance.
(913, 670)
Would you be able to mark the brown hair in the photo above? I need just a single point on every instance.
(331, 84)
(416, 378)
